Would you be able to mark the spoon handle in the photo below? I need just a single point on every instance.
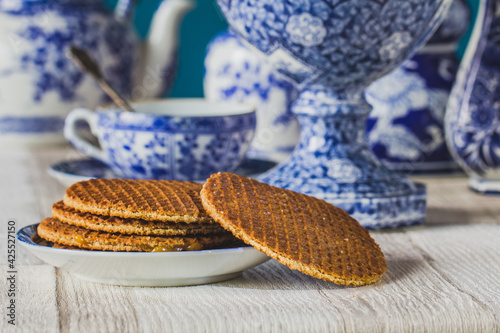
(122, 103)
(85, 62)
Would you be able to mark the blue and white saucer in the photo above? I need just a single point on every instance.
(69, 172)
(145, 268)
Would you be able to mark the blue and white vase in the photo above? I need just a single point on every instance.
(406, 126)
(333, 50)
(235, 73)
(472, 120)
(39, 85)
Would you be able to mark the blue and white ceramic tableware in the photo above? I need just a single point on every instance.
(149, 269)
(406, 126)
(473, 112)
(183, 139)
(235, 73)
(333, 50)
(39, 85)
(71, 171)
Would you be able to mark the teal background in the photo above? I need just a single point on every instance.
(197, 29)
(473, 5)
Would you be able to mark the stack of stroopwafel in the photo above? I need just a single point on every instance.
(302, 232)
(133, 215)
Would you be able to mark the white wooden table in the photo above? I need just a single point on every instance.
(441, 277)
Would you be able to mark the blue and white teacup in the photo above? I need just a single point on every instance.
(182, 139)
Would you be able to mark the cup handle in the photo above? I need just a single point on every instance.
(71, 133)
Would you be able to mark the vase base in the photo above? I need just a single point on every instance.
(383, 205)
(423, 168)
(484, 185)
(385, 212)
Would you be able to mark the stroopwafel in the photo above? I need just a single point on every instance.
(302, 232)
(151, 200)
(72, 236)
(115, 224)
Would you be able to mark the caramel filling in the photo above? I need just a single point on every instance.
(168, 248)
(80, 240)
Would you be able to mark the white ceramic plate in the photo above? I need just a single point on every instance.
(69, 172)
(145, 268)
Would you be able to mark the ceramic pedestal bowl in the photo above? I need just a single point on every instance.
(333, 50)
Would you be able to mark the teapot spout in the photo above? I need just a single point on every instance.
(124, 9)
(158, 63)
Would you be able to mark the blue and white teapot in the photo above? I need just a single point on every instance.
(39, 85)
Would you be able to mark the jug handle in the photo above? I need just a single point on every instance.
(124, 9)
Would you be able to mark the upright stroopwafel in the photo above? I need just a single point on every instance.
(151, 200)
(300, 231)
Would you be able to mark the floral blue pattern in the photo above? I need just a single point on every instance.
(70, 171)
(41, 53)
(84, 168)
(33, 58)
(349, 176)
(473, 113)
(234, 73)
(405, 127)
(148, 146)
(362, 40)
(55, 72)
(30, 125)
(306, 29)
(363, 37)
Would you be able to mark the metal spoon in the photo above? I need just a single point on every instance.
(85, 62)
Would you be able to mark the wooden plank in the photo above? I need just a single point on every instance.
(267, 298)
(411, 297)
(441, 277)
(48, 189)
(468, 257)
(450, 201)
(18, 200)
(36, 308)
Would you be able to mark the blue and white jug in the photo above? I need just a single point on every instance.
(472, 121)
(39, 85)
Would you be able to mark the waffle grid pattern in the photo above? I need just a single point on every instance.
(70, 235)
(302, 232)
(129, 226)
(164, 201)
